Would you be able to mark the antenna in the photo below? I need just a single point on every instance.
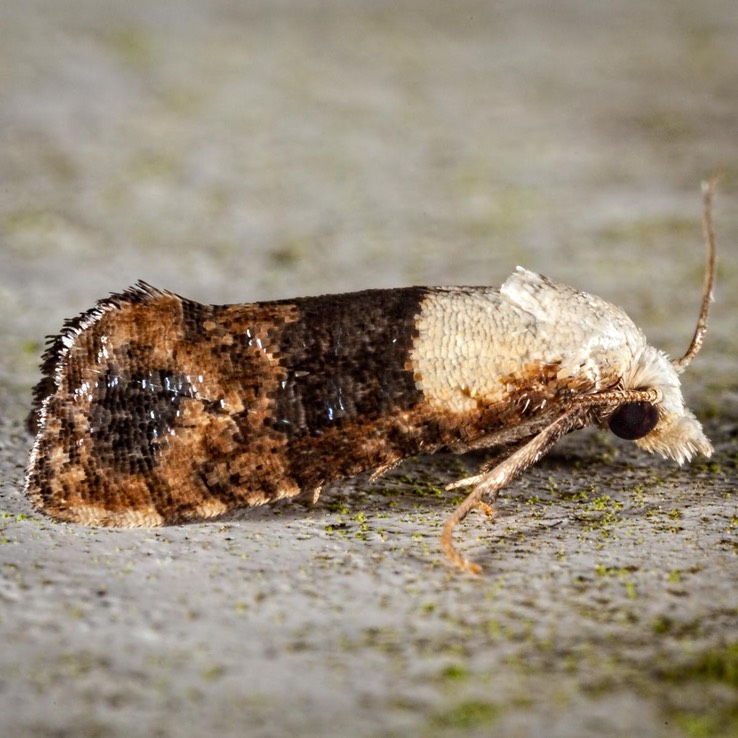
(708, 190)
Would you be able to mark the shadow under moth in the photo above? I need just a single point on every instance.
(154, 409)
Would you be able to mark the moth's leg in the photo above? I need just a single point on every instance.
(488, 510)
(504, 438)
(487, 486)
(489, 483)
(382, 470)
(498, 458)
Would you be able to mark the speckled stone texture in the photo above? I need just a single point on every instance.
(242, 151)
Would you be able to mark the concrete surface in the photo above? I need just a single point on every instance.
(233, 151)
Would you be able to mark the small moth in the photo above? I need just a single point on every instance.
(154, 409)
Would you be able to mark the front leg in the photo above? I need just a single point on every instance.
(491, 480)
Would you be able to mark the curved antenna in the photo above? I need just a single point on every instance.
(708, 190)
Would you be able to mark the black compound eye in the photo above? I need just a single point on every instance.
(634, 420)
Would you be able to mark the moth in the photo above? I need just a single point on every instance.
(153, 409)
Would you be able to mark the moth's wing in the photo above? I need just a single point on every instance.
(59, 345)
(133, 431)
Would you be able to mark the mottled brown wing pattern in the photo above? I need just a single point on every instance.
(159, 411)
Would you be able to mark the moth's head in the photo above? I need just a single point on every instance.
(665, 426)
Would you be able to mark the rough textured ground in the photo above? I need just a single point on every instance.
(233, 151)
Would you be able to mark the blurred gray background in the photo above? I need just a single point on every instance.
(236, 151)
